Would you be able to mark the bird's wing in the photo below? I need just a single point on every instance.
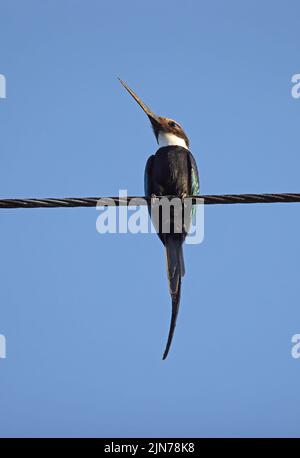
(148, 176)
(194, 176)
(194, 180)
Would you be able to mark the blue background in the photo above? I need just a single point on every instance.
(86, 316)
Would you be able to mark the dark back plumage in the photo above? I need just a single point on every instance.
(172, 171)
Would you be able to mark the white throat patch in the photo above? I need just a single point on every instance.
(168, 139)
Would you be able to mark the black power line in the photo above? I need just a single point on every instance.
(117, 201)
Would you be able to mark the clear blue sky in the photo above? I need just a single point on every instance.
(86, 316)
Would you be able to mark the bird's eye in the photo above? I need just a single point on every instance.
(173, 124)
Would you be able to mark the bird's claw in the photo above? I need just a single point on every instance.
(154, 199)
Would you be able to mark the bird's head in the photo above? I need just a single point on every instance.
(166, 130)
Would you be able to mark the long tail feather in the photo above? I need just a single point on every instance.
(175, 266)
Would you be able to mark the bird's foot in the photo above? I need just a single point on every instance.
(183, 196)
(154, 199)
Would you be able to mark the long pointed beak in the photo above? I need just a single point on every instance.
(153, 118)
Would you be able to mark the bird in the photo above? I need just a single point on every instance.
(171, 171)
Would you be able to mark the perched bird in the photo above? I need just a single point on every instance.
(171, 171)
